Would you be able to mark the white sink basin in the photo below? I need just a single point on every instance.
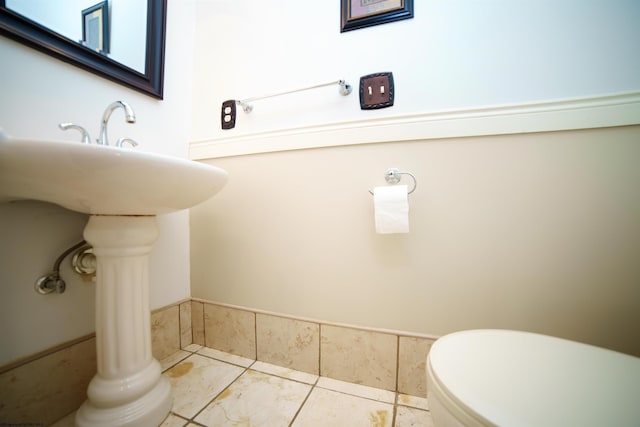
(123, 190)
(102, 180)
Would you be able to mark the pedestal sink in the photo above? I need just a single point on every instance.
(123, 190)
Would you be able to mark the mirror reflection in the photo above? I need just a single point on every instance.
(114, 28)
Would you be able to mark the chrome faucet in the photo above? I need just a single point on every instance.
(86, 139)
(129, 116)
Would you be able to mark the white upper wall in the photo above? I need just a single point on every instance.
(452, 54)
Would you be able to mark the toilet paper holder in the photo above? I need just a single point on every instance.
(393, 176)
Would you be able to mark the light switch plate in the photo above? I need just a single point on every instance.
(376, 91)
(228, 114)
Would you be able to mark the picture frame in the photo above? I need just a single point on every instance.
(356, 14)
(95, 27)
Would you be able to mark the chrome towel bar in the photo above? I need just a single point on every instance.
(345, 89)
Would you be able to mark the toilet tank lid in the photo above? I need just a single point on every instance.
(526, 379)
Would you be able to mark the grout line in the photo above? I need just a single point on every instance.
(283, 377)
(195, 423)
(319, 350)
(204, 327)
(395, 410)
(346, 393)
(225, 361)
(179, 326)
(397, 363)
(304, 402)
(255, 335)
(216, 396)
(178, 361)
(179, 416)
(193, 332)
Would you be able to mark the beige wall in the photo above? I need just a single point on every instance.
(537, 232)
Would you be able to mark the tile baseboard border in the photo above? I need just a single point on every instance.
(53, 382)
(173, 304)
(587, 112)
(404, 361)
(381, 358)
(47, 386)
(54, 349)
(44, 353)
(321, 322)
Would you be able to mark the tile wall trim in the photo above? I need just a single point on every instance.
(382, 358)
(49, 385)
(398, 336)
(177, 303)
(321, 322)
(44, 353)
(596, 111)
(33, 394)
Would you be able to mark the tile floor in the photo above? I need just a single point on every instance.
(212, 388)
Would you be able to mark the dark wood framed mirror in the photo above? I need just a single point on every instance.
(151, 81)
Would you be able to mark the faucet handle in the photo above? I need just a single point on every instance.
(85, 135)
(121, 141)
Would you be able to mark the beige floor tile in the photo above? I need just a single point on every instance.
(68, 421)
(330, 408)
(171, 360)
(170, 421)
(287, 373)
(413, 401)
(192, 348)
(357, 390)
(197, 380)
(226, 357)
(256, 399)
(173, 421)
(408, 417)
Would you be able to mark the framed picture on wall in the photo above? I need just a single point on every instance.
(365, 13)
(95, 27)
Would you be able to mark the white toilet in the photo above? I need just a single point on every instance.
(510, 378)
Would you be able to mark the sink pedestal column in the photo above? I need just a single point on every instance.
(128, 389)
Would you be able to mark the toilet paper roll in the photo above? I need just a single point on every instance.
(391, 206)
